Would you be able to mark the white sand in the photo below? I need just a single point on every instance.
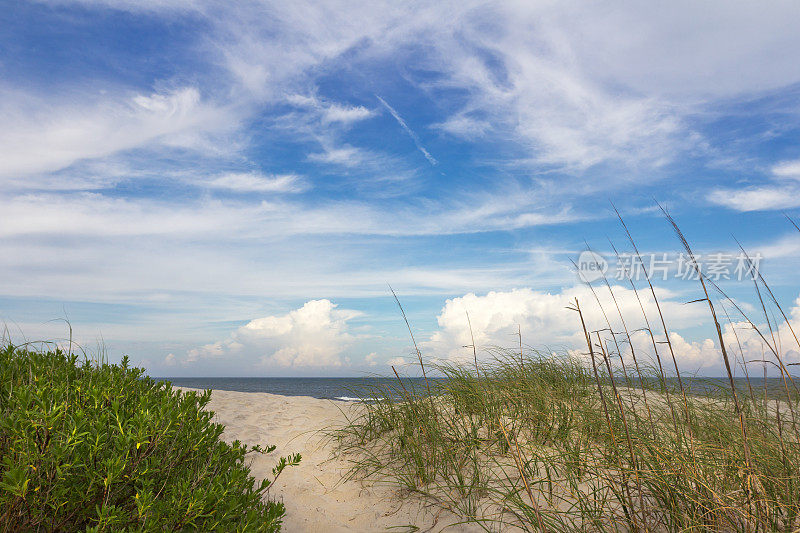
(316, 498)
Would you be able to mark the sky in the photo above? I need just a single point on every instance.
(231, 188)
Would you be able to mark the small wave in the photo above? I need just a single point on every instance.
(353, 399)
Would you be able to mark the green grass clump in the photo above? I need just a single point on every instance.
(101, 447)
(587, 442)
(536, 445)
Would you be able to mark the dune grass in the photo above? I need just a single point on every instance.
(536, 444)
(582, 441)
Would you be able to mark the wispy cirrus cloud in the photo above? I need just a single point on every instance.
(331, 112)
(347, 156)
(787, 169)
(757, 198)
(257, 182)
(782, 191)
(95, 214)
(44, 136)
(573, 103)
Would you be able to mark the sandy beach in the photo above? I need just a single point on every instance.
(316, 498)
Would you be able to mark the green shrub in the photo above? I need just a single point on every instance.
(101, 447)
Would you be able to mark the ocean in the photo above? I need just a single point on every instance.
(363, 388)
(344, 389)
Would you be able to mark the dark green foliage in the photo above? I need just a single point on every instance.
(103, 447)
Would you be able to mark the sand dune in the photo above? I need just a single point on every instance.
(316, 498)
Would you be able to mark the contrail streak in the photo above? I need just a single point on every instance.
(432, 160)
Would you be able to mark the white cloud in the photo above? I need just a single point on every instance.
(780, 195)
(543, 318)
(576, 83)
(345, 114)
(72, 245)
(545, 321)
(371, 359)
(786, 246)
(257, 182)
(98, 215)
(759, 198)
(331, 112)
(464, 126)
(565, 117)
(323, 122)
(314, 335)
(692, 356)
(397, 362)
(346, 156)
(568, 84)
(787, 169)
(753, 346)
(44, 136)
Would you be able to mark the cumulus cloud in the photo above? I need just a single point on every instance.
(543, 318)
(315, 335)
(782, 339)
(545, 321)
(692, 355)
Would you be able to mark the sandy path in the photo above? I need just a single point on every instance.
(315, 497)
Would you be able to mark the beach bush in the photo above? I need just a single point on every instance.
(89, 446)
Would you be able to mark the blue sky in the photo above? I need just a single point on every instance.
(221, 188)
